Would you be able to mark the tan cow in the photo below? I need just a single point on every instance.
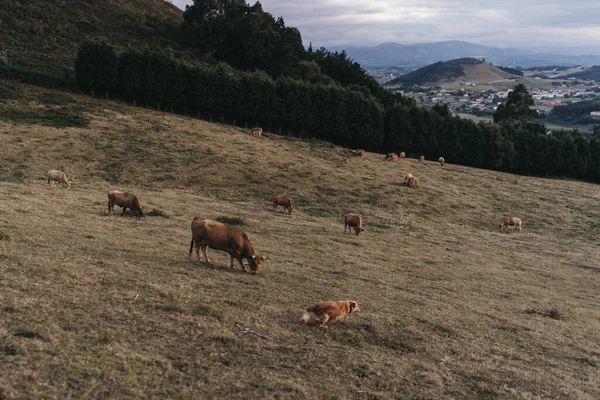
(410, 180)
(353, 221)
(511, 221)
(391, 157)
(228, 238)
(359, 153)
(125, 200)
(442, 161)
(55, 175)
(402, 154)
(422, 158)
(257, 132)
(286, 202)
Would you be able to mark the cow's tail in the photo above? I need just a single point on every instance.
(191, 247)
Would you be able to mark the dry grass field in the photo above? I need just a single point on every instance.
(98, 306)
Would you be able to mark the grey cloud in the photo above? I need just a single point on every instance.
(507, 23)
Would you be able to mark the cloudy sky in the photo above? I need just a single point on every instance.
(560, 25)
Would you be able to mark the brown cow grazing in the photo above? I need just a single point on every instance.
(442, 161)
(229, 238)
(257, 132)
(422, 158)
(511, 221)
(286, 202)
(359, 153)
(330, 311)
(55, 175)
(125, 200)
(402, 154)
(410, 180)
(353, 221)
(391, 157)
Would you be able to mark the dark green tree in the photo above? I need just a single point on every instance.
(96, 66)
(517, 106)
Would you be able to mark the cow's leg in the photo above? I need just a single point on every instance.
(232, 259)
(205, 252)
(197, 251)
(123, 213)
(241, 261)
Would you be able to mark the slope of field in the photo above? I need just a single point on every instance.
(456, 71)
(43, 35)
(484, 73)
(107, 306)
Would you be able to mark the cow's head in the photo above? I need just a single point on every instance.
(291, 208)
(141, 212)
(255, 261)
(358, 230)
(354, 306)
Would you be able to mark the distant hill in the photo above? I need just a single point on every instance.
(592, 73)
(43, 35)
(413, 56)
(467, 69)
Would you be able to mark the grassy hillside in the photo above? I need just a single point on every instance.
(108, 306)
(592, 73)
(459, 71)
(43, 35)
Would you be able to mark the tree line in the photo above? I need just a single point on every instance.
(355, 118)
(154, 77)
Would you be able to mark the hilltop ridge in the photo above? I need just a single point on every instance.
(461, 69)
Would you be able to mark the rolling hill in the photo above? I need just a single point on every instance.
(418, 55)
(44, 35)
(98, 306)
(461, 69)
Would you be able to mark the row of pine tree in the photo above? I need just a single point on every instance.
(373, 119)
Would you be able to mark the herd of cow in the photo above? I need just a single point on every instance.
(231, 239)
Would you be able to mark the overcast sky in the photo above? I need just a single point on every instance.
(563, 25)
